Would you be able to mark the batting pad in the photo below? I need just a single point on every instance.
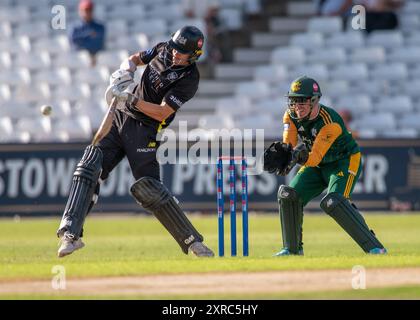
(291, 218)
(350, 219)
(156, 198)
(83, 186)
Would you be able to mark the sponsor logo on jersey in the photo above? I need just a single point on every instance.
(176, 100)
(314, 132)
(172, 76)
(340, 174)
(152, 144)
(146, 150)
(301, 129)
(295, 86)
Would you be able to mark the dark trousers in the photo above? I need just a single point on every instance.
(130, 137)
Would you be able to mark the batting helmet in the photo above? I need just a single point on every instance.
(301, 89)
(188, 39)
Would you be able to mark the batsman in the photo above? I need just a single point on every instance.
(169, 80)
(330, 159)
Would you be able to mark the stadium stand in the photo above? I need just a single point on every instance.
(273, 42)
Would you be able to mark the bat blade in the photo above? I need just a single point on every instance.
(106, 124)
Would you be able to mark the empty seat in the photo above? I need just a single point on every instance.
(59, 76)
(151, 27)
(170, 11)
(368, 55)
(73, 60)
(391, 71)
(288, 56)
(270, 73)
(72, 92)
(126, 12)
(412, 88)
(15, 77)
(386, 39)
(234, 106)
(5, 93)
(325, 24)
(73, 129)
(54, 45)
(231, 17)
(257, 121)
(394, 104)
(335, 88)
(405, 54)
(5, 30)
(199, 23)
(349, 72)
(33, 30)
(411, 120)
(16, 110)
(92, 76)
(274, 106)
(15, 14)
(16, 45)
(331, 56)
(402, 133)
(115, 29)
(216, 121)
(413, 39)
(315, 71)
(9, 135)
(5, 60)
(366, 133)
(346, 40)
(307, 40)
(355, 103)
(94, 109)
(33, 61)
(379, 122)
(33, 93)
(39, 129)
(253, 89)
(111, 59)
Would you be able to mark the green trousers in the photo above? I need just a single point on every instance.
(340, 176)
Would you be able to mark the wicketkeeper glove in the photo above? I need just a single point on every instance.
(280, 158)
(277, 157)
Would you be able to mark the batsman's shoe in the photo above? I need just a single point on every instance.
(286, 252)
(378, 251)
(200, 250)
(68, 245)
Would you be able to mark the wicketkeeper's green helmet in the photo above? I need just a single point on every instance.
(301, 89)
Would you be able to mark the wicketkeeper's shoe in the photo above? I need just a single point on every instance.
(286, 252)
(68, 245)
(378, 251)
(200, 250)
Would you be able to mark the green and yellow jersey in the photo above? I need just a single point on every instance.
(326, 137)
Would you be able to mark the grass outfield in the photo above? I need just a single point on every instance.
(139, 245)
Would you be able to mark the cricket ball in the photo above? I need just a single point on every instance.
(46, 110)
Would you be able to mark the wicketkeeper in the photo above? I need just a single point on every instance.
(330, 159)
(170, 79)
